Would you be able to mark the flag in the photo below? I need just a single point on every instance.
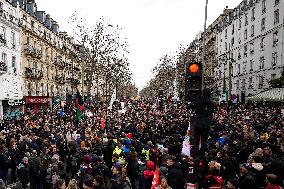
(79, 101)
(55, 106)
(155, 181)
(103, 124)
(113, 98)
(79, 106)
(61, 113)
(78, 114)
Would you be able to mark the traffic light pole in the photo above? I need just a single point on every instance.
(203, 52)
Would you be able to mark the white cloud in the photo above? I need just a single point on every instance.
(152, 27)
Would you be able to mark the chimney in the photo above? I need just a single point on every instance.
(48, 21)
(55, 27)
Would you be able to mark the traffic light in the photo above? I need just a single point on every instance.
(193, 80)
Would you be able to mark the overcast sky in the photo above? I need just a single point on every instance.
(152, 27)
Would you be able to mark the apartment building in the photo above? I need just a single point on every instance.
(10, 52)
(249, 47)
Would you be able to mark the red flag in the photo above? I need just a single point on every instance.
(155, 181)
(103, 124)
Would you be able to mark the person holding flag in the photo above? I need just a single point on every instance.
(79, 106)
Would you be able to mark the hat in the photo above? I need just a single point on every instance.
(55, 157)
(150, 165)
(87, 158)
(25, 159)
(234, 182)
(118, 166)
(88, 182)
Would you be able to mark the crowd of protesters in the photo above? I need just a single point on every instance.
(109, 149)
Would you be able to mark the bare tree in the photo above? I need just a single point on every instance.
(105, 50)
(164, 75)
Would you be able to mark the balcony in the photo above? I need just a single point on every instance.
(33, 73)
(2, 40)
(88, 81)
(61, 64)
(28, 72)
(32, 51)
(75, 81)
(3, 68)
(59, 79)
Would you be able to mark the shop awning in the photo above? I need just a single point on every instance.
(275, 94)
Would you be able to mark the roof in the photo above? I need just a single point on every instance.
(274, 94)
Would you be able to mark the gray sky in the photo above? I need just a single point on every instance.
(152, 27)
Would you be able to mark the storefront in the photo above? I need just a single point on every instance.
(13, 108)
(35, 103)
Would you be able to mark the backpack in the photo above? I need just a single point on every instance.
(52, 174)
(74, 161)
(140, 168)
(103, 171)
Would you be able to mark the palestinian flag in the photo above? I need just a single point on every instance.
(79, 106)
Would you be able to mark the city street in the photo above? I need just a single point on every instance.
(142, 94)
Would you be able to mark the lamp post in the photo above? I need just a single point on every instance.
(203, 53)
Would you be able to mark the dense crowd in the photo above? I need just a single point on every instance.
(110, 149)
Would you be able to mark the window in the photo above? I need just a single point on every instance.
(239, 55)
(240, 41)
(39, 30)
(4, 58)
(233, 42)
(246, 34)
(243, 84)
(226, 33)
(263, 24)
(250, 83)
(3, 34)
(261, 63)
(252, 48)
(262, 43)
(276, 2)
(239, 68)
(238, 84)
(13, 40)
(273, 76)
(276, 16)
(28, 40)
(233, 29)
(263, 6)
(32, 25)
(275, 38)
(240, 23)
(274, 58)
(251, 65)
(245, 50)
(253, 14)
(252, 30)
(246, 19)
(14, 67)
(244, 67)
(260, 82)
(226, 46)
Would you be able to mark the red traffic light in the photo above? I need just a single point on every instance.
(193, 68)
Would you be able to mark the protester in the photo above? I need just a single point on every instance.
(113, 150)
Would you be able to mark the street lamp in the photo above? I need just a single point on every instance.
(228, 61)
